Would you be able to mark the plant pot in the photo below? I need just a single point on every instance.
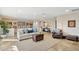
(3, 36)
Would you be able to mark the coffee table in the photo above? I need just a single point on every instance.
(38, 37)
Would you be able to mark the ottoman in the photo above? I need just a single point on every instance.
(38, 37)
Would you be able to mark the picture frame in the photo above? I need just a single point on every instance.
(71, 23)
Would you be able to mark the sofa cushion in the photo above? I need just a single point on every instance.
(24, 31)
(34, 29)
(56, 30)
(30, 31)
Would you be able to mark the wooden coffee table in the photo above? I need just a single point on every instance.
(38, 37)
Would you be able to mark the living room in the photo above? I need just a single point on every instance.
(33, 29)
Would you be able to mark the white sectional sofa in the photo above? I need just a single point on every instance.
(25, 33)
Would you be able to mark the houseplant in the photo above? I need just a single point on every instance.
(4, 26)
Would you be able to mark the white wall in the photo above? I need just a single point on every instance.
(62, 23)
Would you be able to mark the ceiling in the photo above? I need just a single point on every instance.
(34, 12)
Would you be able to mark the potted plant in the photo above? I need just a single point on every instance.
(4, 26)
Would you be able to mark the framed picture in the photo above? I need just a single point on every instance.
(71, 23)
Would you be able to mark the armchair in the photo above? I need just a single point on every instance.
(57, 34)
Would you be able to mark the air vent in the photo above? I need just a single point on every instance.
(75, 10)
